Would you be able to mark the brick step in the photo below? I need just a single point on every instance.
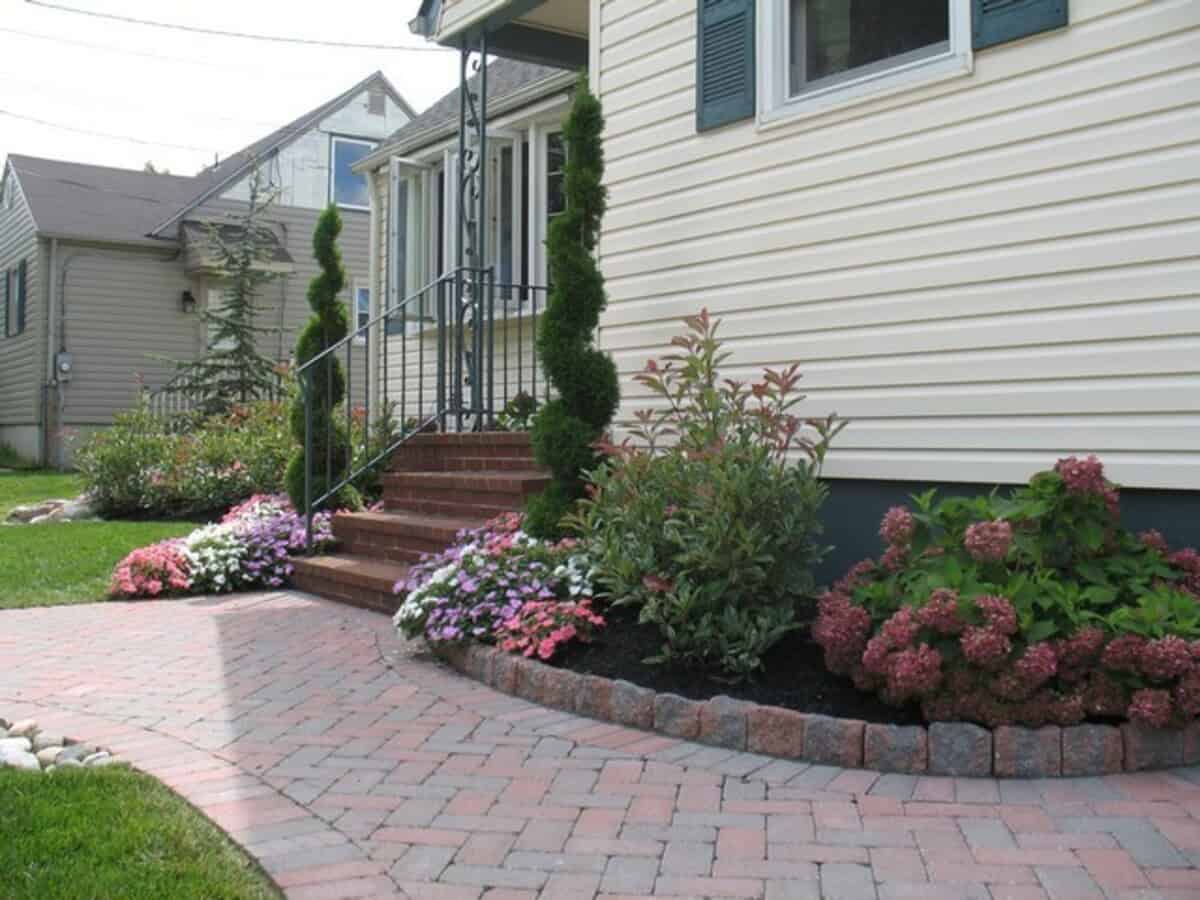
(355, 580)
(475, 494)
(445, 452)
(400, 536)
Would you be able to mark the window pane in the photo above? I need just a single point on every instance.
(556, 158)
(832, 38)
(364, 306)
(349, 189)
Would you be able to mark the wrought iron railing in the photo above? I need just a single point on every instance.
(449, 357)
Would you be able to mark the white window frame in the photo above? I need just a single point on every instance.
(777, 106)
(334, 140)
(356, 288)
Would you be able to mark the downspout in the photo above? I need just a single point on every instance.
(60, 383)
(51, 366)
(374, 345)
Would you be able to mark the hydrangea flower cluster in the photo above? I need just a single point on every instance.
(488, 584)
(988, 541)
(936, 621)
(252, 546)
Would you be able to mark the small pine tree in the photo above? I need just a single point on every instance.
(232, 370)
(567, 427)
(326, 381)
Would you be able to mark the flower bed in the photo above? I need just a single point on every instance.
(251, 547)
(498, 584)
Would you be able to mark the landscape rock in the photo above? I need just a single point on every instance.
(25, 728)
(44, 739)
(16, 744)
(56, 510)
(12, 758)
(68, 764)
(48, 755)
(97, 759)
(76, 752)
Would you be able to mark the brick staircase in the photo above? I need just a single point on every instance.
(435, 485)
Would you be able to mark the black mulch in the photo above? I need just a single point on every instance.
(794, 673)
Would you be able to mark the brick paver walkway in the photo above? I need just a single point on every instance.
(352, 768)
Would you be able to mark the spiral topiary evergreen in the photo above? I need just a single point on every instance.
(567, 427)
(326, 381)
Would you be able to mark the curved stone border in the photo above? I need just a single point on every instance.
(942, 748)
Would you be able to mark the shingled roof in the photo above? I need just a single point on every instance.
(69, 199)
(507, 79)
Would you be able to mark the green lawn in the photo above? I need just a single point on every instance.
(63, 562)
(20, 488)
(113, 832)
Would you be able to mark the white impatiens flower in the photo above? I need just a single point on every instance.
(214, 554)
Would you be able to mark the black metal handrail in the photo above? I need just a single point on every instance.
(454, 319)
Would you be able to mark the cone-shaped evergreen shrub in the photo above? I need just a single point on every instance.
(327, 382)
(585, 378)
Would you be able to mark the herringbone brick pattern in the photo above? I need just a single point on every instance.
(351, 767)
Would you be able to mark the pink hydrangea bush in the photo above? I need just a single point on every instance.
(154, 571)
(497, 584)
(1031, 608)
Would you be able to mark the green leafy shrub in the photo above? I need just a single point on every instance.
(326, 381)
(518, 413)
(1030, 607)
(710, 524)
(568, 425)
(143, 466)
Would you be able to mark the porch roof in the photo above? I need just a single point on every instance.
(512, 84)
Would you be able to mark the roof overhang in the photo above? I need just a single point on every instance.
(548, 32)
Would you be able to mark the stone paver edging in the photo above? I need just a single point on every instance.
(353, 766)
(941, 748)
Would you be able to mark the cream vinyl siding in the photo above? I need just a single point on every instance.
(21, 357)
(983, 274)
(123, 319)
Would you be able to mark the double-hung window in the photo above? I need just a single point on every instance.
(14, 282)
(829, 52)
(346, 188)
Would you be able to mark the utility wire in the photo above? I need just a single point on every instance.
(127, 51)
(104, 134)
(195, 29)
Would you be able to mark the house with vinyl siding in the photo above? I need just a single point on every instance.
(975, 223)
(105, 269)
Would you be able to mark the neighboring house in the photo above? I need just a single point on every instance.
(976, 224)
(105, 269)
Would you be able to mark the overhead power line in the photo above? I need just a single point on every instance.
(195, 29)
(104, 134)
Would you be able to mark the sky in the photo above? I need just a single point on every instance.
(188, 97)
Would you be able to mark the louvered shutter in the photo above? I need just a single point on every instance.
(724, 62)
(21, 296)
(998, 21)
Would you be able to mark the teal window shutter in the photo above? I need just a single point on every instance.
(724, 62)
(999, 21)
(21, 295)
